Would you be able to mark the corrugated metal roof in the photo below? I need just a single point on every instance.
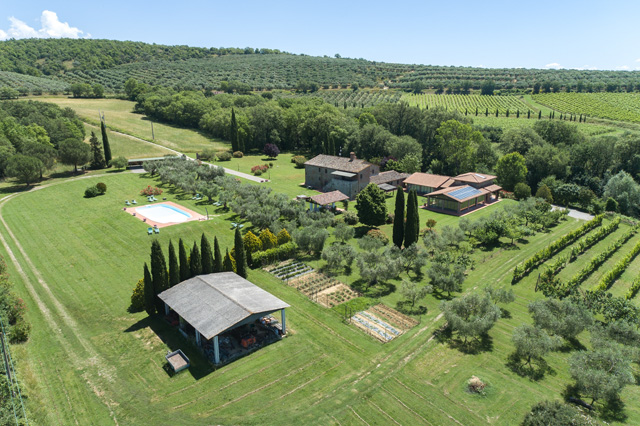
(216, 302)
(345, 174)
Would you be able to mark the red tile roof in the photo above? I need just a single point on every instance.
(345, 164)
(474, 177)
(426, 179)
(328, 198)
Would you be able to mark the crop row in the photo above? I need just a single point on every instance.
(546, 253)
(596, 261)
(17, 81)
(470, 103)
(585, 243)
(633, 290)
(613, 106)
(607, 280)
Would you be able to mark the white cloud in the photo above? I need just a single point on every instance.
(554, 65)
(638, 60)
(51, 27)
(623, 67)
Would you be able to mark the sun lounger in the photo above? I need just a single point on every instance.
(240, 226)
(134, 202)
(127, 202)
(149, 231)
(156, 229)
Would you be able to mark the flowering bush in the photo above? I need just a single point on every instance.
(260, 169)
(238, 154)
(149, 190)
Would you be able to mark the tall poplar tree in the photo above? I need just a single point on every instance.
(206, 255)
(233, 131)
(158, 274)
(241, 255)
(411, 229)
(149, 294)
(185, 271)
(105, 143)
(195, 264)
(98, 159)
(174, 268)
(217, 256)
(398, 219)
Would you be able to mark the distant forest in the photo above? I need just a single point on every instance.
(111, 63)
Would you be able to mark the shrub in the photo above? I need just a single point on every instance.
(137, 297)
(271, 165)
(207, 154)
(224, 156)
(91, 192)
(238, 154)
(20, 331)
(299, 161)
(252, 243)
(283, 237)
(522, 191)
(350, 218)
(119, 162)
(257, 172)
(285, 251)
(149, 190)
(611, 205)
(271, 150)
(268, 239)
(259, 169)
(390, 217)
(102, 187)
(378, 235)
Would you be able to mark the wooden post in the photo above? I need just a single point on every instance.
(198, 339)
(166, 309)
(216, 350)
(284, 324)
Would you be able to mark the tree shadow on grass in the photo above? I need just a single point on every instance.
(613, 410)
(534, 371)
(471, 346)
(504, 313)
(170, 336)
(571, 345)
(404, 306)
(373, 291)
(441, 295)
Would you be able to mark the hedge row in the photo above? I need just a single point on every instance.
(546, 253)
(585, 243)
(635, 286)
(613, 274)
(283, 251)
(598, 260)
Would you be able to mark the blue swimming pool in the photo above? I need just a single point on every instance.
(163, 213)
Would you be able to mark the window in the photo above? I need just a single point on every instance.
(360, 175)
(326, 171)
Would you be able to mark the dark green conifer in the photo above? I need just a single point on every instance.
(195, 261)
(411, 229)
(185, 272)
(240, 254)
(398, 219)
(233, 131)
(105, 143)
(174, 268)
(206, 255)
(158, 274)
(217, 256)
(149, 294)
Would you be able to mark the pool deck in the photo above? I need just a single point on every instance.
(150, 223)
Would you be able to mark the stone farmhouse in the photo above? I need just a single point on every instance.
(330, 173)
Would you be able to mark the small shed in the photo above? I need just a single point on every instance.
(327, 200)
(215, 303)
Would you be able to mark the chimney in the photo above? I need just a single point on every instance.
(352, 156)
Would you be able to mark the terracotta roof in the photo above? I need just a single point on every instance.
(389, 176)
(474, 177)
(344, 164)
(493, 188)
(328, 198)
(473, 193)
(426, 179)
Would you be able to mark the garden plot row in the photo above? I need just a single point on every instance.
(322, 289)
(290, 269)
(382, 322)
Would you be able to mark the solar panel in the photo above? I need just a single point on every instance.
(462, 193)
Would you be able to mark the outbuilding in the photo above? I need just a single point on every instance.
(225, 306)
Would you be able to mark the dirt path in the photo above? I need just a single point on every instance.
(97, 370)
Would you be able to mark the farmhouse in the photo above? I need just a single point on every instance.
(389, 180)
(331, 173)
(228, 316)
(457, 195)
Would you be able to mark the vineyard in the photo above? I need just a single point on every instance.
(471, 103)
(613, 106)
(30, 83)
(350, 98)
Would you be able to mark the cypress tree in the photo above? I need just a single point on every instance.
(241, 256)
(227, 264)
(233, 131)
(416, 206)
(105, 143)
(539, 114)
(185, 272)
(158, 274)
(411, 228)
(96, 149)
(507, 112)
(174, 269)
(476, 111)
(149, 295)
(528, 114)
(217, 256)
(195, 265)
(517, 113)
(486, 113)
(207, 255)
(398, 220)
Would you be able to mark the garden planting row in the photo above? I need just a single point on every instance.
(596, 261)
(290, 269)
(548, 252)
(322, 289)
(633, 290)
(374, 328)
(394, 317)
(608, 279)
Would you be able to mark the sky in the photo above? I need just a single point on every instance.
(493, 34)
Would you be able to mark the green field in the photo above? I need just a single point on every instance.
(119, 117)
(90, 361)
(612, 106)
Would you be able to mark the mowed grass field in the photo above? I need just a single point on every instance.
(89, 361)
(119, 116)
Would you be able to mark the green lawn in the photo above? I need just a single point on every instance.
(89, 361)
(126, 146)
